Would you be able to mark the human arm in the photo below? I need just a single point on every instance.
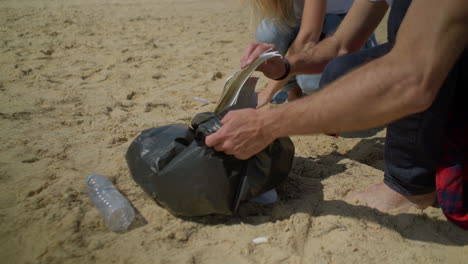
(313, 16)
(356, 28)
(405, 81)
(309, 33)
(353, 32)
(310, 29)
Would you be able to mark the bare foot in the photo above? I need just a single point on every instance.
(385, 199)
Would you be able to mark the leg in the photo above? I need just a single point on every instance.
(412, 153)
(385, 196)
(452, 172)
(282, 38)
(344, 64)
(413, 144)
(310, 83)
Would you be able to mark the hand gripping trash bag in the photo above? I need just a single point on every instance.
(175, 167)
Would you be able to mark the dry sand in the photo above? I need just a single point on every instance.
(80, 79)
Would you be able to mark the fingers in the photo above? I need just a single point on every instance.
(214, 140)
(229, 138)
(217, 139)
(218, 142)
(225, 147)
(227, 118)
(229, 149)
(253, 51)
(246, 54)
(241, 156)
(259, 50)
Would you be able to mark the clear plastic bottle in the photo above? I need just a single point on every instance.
(117, 212)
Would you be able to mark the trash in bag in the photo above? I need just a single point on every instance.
(175, 167)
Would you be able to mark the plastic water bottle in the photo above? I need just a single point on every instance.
(114, 208)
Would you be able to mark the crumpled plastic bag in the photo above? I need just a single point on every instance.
(175, 167)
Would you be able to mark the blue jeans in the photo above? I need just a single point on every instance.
(282, 38)
(413, 143)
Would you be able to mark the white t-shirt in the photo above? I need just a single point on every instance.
(333, 7)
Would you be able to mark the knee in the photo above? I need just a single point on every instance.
(346, 63)
(309, 83)
(268, 32)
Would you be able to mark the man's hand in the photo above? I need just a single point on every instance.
(242, 135)
(272, 68)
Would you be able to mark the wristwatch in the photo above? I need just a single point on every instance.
(287, 67)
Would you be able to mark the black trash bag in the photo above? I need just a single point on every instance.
(175, 167)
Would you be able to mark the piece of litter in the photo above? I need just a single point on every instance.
(235, 84)
(260, 240)
(201, 100)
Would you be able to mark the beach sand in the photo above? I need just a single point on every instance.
(80, 79)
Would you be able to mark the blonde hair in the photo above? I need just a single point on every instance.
(277, 11)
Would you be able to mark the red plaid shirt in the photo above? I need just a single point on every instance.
(452, 175)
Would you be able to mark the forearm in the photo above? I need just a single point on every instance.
(314, 60)
(403, 82)
(350, 36)
(313, 17)
(374, 95)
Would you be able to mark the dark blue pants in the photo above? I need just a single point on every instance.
(413, 143)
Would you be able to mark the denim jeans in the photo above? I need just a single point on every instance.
(413, 143)
(282, 37)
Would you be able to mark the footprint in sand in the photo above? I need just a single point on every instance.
(150, 106)
(131, 95)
